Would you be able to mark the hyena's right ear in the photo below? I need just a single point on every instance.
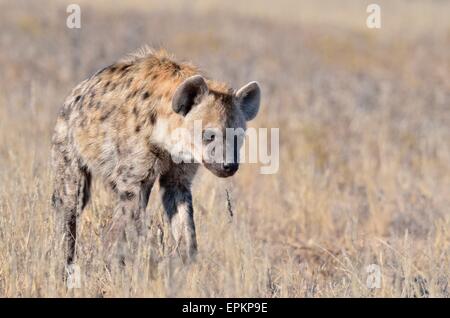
(189, 94)
(249, 98)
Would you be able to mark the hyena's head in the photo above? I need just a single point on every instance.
(216, 118)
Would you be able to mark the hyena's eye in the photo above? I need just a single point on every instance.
(208, 136)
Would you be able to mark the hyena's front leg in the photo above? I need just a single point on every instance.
(126, 226)
(177, 202)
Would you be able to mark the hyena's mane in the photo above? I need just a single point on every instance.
(170, 68)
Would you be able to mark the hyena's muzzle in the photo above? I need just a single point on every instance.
(230, 162)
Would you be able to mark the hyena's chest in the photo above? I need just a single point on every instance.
(112, 152)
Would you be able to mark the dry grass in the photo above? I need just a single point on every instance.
(365, 155)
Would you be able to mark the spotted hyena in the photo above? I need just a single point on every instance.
(117, 125)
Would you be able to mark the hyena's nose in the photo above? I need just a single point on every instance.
(230, 167)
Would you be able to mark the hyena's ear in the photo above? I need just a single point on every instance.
(189, 94)
(249, 97)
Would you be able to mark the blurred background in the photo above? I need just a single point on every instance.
(364, 118)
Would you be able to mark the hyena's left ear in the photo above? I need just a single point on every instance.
(249, 97)
(189, 94)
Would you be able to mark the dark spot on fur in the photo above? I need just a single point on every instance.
(158, 152)
(105, 88)
(138, 128)
(126, 196)
(132, 94)
(145, 95)
(154, 76)
(113, 186)
(176, 68)
(77, 98)
(113, 69)
(56, 200)
(65, 112)
(153, 117)
(129, 82)
(124, 70)
(120, 169)
(106, 114)
(135, 111)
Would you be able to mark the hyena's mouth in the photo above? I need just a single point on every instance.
(222, 170)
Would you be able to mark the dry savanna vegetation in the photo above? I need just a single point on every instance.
(364, 177)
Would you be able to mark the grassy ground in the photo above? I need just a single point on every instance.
(364, 177)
